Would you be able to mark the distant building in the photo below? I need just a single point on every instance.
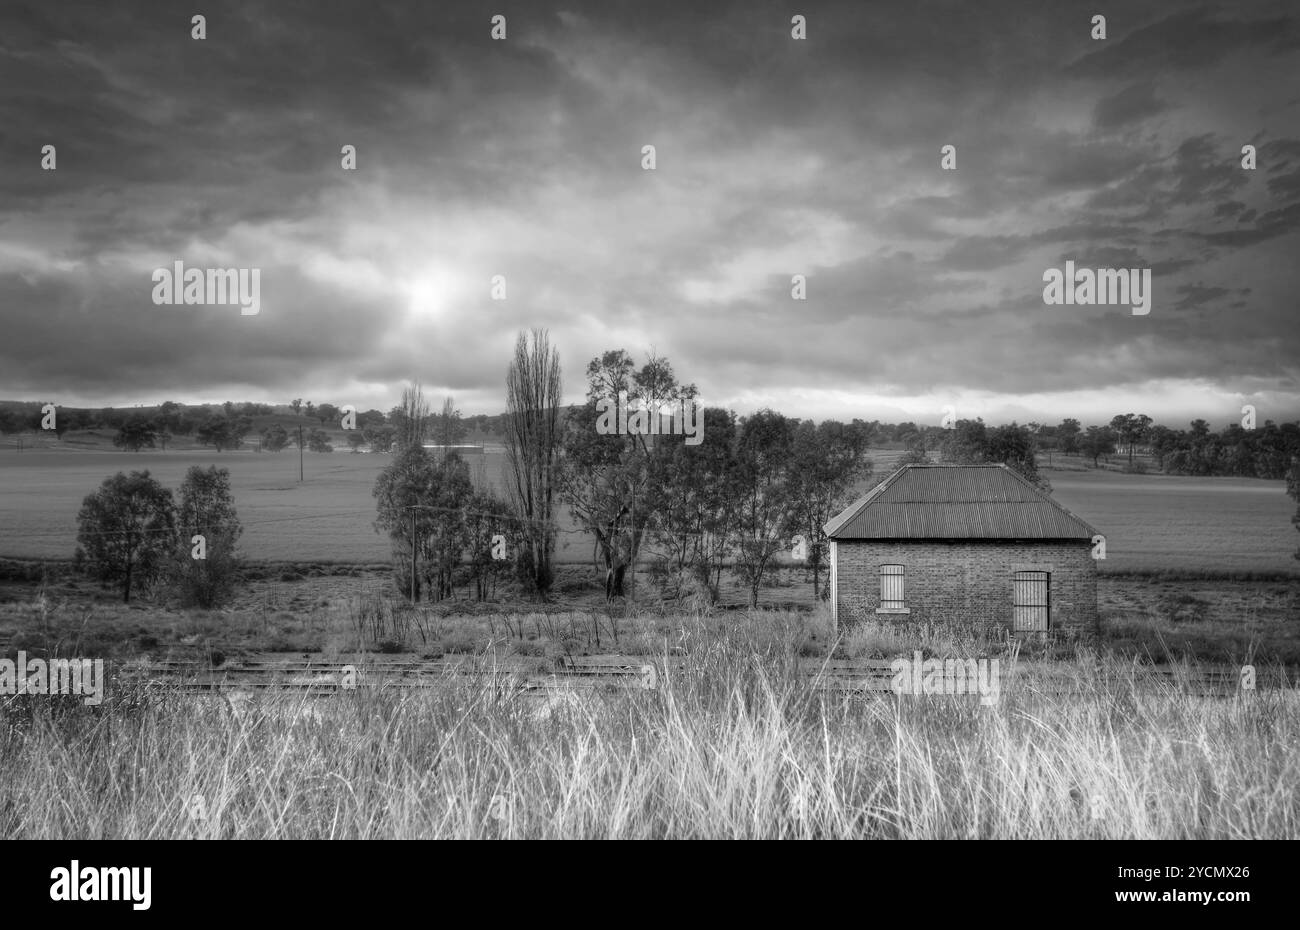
(959, 543)
(460, 450)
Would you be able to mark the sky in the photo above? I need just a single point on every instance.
(774, 156)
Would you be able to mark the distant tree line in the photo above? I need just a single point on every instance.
(1263, 452)
(756, 487)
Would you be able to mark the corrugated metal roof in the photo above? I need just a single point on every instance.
(957, 502)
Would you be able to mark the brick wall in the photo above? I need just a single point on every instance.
(964, 580)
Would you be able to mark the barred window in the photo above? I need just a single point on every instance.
(1031, 601)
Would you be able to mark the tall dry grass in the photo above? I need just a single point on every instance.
(736, 743)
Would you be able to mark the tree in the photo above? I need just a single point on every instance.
(137, 433)
(1276, 447)
(1068, 434)
(1163, 441)
(400, 492)
(296, 406)
(223, 432)
(453, 493)
(275, 438)
(328, 412)
(416, 492)
(78, 419)
(10, 421)
(966, 443)
(318, 441)
(1293, 491)
(207, 510)
(828, 459)
(532, 447)
(903, 430)
(446, 426)
(126, 530)
(169, 416)
(915, 454)
(1130, 429)
(611, 481)
(1096, 442)
(1016, 447)
(356, 439)
(187, 421)
(370, 418)
(486, 517)
(108, 418)
(309, 409)
(765, 515)
(597, 477)
(410, 419)
(691, 505)
(380, 438)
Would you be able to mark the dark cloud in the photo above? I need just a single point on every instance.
(523, 158)
(1132, 104)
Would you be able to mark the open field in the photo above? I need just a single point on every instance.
(327, 518)
(1151, 523)
(1164, 522)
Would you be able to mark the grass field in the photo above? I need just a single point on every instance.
(1148, 619)
(1151, 523)
(734, 745)
(1165, 522)
(326, 518)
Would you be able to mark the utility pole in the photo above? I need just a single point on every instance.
(631, 584)
(412, 553)
(300, 452)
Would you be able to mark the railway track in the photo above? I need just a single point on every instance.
(587, 673)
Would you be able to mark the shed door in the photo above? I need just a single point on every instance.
(1030, 610)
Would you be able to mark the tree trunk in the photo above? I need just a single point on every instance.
(614, 580)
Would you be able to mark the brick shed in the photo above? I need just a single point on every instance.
(962, 543)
